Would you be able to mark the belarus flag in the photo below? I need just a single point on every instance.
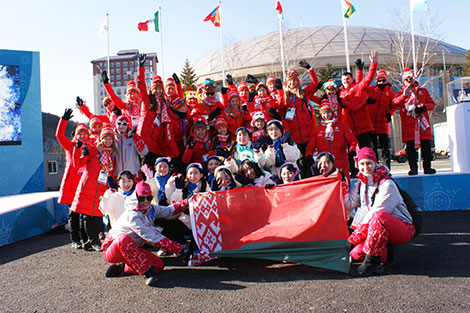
(300, 222)
(150, 25)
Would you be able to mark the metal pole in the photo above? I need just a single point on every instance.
(161, 40)
(222, 43)
(107, 39)
(413, 39)
(282, 52)
(346, 48)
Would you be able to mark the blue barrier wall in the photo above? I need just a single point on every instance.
(440, 192)
(21, 162)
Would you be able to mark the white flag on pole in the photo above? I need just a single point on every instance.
(104, 29)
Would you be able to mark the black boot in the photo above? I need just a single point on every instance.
(151, 278)
(115, 270)
(370, 265)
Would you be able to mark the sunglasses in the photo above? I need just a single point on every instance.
(381, 80)
(210, 93)
(143, 198)
(121, 124)
(106, 103)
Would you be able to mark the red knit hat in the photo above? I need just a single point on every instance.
(123, 118)
(199, 118)
(81, 128)
(292, 74)
(131, 87)
(261, 84)
(270, 78)
(106, 98)
(143, 189)
(256, 116)
(326, 106)
(170, 81)
(95, 120)
(242, 85)
(407, 73)
(107, 131)
(157, 81)
(233, 94)
(366, 153)
(220, 121)
(382, 74)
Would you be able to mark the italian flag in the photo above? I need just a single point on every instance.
(299, 222)
(348, 8)
(150, 25)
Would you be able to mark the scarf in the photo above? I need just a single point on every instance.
(204, 141)
(162, 180)
(420, 121)
(106, 160)
(165, 115)
(329, 130)
(333, 100)
(128, 193)
(280, 158)
(262, 102)
(245, 152)
(208, 103)
(191, 188)
(381, 172)
(232, 114)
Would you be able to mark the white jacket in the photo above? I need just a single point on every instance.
(138, 225)
(112, 205)
(127, 154)
(291, 152)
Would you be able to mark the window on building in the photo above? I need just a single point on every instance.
(112, 71)
(125, 63)
(118, 64)
(52, 167)
(118, 71)
(131, 63)
(147, 62)
(126, 77)
(118, 77)
(112, 65)
(112, 77)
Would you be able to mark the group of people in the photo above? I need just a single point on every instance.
(138, 164)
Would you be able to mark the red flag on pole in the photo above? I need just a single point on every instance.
(214, 17)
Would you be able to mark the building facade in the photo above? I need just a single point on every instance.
(123, 67)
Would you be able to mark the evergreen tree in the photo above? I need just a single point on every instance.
(466, 65)
(188, 77)
(327, 72)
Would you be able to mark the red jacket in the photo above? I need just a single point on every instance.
(173, 135)
(127, 108)
(303, 122)
(408, 123)
(338, 148)
(71, 175)
(198, 153)
(378, 111)
(260, 104)
(89, 191)
(357, 118)
(149, 125)
(234, 119)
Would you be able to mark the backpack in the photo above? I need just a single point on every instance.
(411, 206)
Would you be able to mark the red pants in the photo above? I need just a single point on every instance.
(137, 260)
(382, 229)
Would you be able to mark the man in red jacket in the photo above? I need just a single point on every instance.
(380, 114)
(416, 131)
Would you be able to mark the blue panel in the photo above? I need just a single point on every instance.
(19, 164)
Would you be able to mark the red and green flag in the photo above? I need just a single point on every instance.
(151, 25)
(300, 222)
(348, 8)
(214, 17)
(279, 10)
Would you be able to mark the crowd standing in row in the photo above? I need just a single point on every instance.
(139, 163)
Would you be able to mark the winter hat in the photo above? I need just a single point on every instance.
(199, 118)
(382, 74)
(242, 85)
(325, 106)
(81, 128)
(233, 94)
(170, 81)
(106, 98)
(143, 189)
(95, 120)
(190, 94)
(131, 87)
(288, 164)
(258, 115)
(167, 160)
(277, 123)
(292, 74)
(106, 131)
(331, 83)
(157, 81)
(220, 122)
(196, 165)
(213, 157)
(270, 78)
(220, 167)
(407, 73)
(366, 153)
(243, 128)
(332, 157)
(261, 84)
(123, 118)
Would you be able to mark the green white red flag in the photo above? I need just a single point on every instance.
(300, 222)
(150, 25)
(279, 10)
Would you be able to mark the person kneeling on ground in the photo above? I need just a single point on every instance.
(123, 243)
(382, 217)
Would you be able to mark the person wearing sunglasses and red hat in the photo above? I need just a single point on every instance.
(135, 227)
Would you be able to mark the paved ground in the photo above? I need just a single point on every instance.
(432, 274)
(440, 164)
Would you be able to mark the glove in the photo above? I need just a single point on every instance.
(179, 182)
(85, 151)
(243, 179)
(229, 79)
(258, 143)
(349, 246)
(269, 185)
(251, 79)
(215, 112)
(67, 114)
(223, 90)
(245, 108)
(276, 179)
(180, 206)
(420, 110)
(191, 143)
(225, 153)
(147, 171)
(267, 140)
(79, 102)
(132, 133)
(389, 118)
(274, 114)
(142, 58)
(104, 77)
(78, 145)
(175, 78)
(278, 84)
(303, 63)
(319, 85)
(309, 160)
(251, 96)
(370, 100)
(359, 64)
(286, 136)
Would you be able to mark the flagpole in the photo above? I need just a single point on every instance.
(107, 39)
(413, 38)
(160, 30)
(282, 51)
(346, 48)
(222, 43)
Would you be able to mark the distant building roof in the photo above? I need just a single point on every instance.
(125, 55)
